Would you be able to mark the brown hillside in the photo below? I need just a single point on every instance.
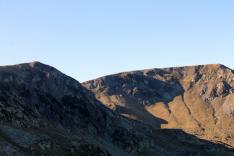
(196, 99)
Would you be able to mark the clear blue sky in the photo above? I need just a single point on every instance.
(90, 38)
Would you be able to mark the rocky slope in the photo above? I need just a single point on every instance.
(44, 112)
(196, 99)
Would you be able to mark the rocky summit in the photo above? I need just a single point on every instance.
(160, 112)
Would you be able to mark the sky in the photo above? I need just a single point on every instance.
(87, 39)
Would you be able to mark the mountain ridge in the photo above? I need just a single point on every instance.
(198, 92)
(219, 65)
(45, 112)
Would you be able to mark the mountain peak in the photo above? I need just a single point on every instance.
(216, 66)
(35, 64)
(202, 66)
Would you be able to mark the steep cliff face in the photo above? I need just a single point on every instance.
(196, 99)
(44, 112)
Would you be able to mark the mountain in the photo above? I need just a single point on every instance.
(45, 112)
(196, 99)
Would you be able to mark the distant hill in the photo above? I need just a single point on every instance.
(196, 99)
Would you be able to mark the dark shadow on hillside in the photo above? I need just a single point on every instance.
(142, 115)
(139, 91)
(193, 145)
